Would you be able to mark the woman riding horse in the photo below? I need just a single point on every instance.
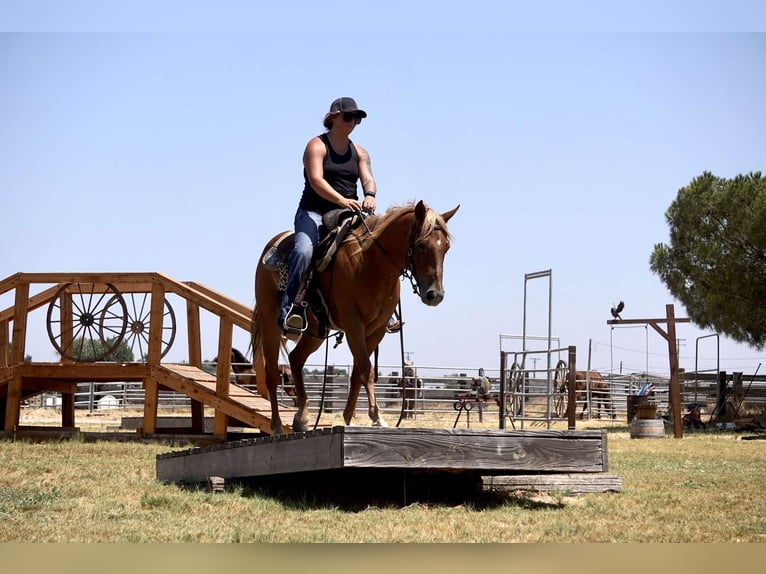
(360, 291)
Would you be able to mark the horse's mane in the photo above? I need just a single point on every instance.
(377, 224)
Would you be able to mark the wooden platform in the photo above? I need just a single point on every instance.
(486, 452)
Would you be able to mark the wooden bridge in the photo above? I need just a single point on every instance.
(92, 307)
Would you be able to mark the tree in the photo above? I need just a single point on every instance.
(716, 261)
(89, 349)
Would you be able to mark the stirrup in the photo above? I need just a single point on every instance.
(295, 321)
(394, 325)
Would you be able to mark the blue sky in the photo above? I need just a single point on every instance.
(171, 141)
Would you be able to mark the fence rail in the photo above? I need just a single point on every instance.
(443, 396)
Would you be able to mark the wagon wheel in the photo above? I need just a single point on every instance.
(85, 324)
(560, 389)
(137, 316)
(516, 387)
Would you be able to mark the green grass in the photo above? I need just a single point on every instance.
(702, 488)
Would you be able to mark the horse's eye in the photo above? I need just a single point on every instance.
(420, 244)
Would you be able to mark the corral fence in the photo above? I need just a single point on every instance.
(447, 396)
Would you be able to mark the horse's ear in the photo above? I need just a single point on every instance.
(420, 211)
(448, 214)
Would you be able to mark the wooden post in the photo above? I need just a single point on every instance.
(572, 389)
(156, 312)
(675, 391)
(13, 404)
(222, 373)
(151, 398)
(195, 360)
(18, 343)
(151, 387)
(67, 410)
(3, 344)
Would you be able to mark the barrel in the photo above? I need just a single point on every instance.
(647, 428)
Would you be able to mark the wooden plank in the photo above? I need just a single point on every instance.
(550, 451)
(102, 278)
(552, 483)
(48, 385)
(204, 392)
(257, 457)
(96, 372)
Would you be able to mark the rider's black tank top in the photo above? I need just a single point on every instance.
(340, 171)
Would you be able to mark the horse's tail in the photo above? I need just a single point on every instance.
(259, 365)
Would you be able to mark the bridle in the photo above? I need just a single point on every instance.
(409, 267)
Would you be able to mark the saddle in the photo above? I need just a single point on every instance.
(336, 225)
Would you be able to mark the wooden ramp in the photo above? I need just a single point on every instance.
(485, 452)
(241, 404)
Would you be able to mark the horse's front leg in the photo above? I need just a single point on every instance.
(362, 374)
(369, 382)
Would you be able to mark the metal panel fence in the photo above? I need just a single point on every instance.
(441, 396)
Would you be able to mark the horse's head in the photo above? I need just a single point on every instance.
(429, 245)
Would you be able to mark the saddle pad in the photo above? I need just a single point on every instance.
(276, 255)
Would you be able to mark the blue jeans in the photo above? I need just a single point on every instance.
(307, 225)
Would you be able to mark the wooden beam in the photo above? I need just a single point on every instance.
(216, 296)
(241, 320)
(35, 302)
(553, 483)
(18, 343)
(644, 321)
(675, 390)
(9, 283)
(103, 278)
(96, 372)
(48, 385)
(572, 389)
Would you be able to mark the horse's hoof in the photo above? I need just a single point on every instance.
(379, 423)
(299, 425)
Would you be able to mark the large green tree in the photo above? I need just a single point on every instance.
(715, 263)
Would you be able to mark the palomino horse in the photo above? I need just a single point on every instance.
(360, 291)
(600, 395)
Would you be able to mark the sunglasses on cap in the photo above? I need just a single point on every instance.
(352, 117)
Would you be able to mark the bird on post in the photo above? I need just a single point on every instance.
(617, 309)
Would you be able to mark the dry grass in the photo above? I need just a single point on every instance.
(703, 488)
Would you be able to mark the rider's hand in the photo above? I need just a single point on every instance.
(368, 205)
